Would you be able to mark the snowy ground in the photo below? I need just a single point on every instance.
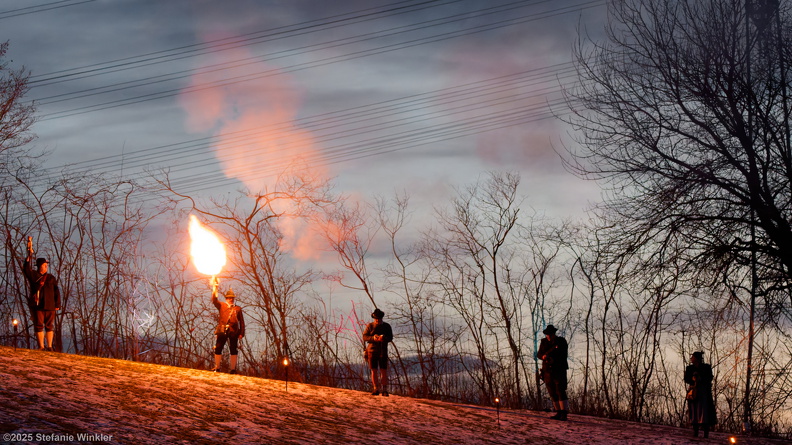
(48, 397)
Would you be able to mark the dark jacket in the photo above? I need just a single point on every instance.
(555, 355)
(43, 288)
(230, 316)
(702, 406)
(377, 348)
(702, 381)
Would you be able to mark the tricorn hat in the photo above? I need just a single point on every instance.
(378, 314)
(230, 294)
(40, 261)
(549, 330)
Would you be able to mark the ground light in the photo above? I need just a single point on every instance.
(286, 366)
(732, 439)
(497, 408)
(15, 323)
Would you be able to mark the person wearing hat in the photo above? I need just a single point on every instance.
(553, 354)
(377, 336)
(230, 327)
(44, 299)
(701, 407)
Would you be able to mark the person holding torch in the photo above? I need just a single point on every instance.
(209, 256)
(230, 328)
(44, 299)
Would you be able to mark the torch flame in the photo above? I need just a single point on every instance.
(208, 253)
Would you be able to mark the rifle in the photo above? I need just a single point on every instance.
(30, 249)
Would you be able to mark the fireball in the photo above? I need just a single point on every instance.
(208, 253)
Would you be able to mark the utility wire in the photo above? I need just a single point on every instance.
(345, 151)
(227, 43)
(476, 92)
(307, 65)
(40, 8)
(323, 45)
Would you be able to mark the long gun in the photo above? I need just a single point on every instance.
(30, 250)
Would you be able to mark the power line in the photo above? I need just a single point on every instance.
(312, 64)
(478, 90)
(340, 130)
(40, 8)
(228, 43)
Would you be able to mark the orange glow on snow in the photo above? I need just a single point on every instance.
(207, 252)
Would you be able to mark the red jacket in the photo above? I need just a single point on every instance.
(230, 316)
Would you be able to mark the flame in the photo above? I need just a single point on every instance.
(208, 253)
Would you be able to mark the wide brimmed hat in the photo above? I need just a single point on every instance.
(378, 314)
(230, 294)
(550, 330)
(40, 261)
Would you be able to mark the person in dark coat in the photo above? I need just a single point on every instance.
(701, 407)
(377, 335)
(553, 354)
(230, 328)
(44, 299)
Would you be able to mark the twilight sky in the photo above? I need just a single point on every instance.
(409, 96)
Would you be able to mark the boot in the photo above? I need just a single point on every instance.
(218, 360)
(695, 429)
(706, 430)
(384, 382)
(233, 364)
(564, 405)
(557, 408)
(49, 337)
(374, 382)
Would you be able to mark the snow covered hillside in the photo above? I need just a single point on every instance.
(48, 397)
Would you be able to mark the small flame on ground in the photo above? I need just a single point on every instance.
(208, 253)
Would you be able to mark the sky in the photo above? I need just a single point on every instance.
(385, 97)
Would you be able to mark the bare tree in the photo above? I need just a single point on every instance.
(486, 276)
(685, 116)
(16, 116)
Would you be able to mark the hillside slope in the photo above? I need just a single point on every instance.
(52, 397)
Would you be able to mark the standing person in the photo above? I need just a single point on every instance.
(378, 334)
(553, 353)
(230, 327)
(44, 299)
(701, 407)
